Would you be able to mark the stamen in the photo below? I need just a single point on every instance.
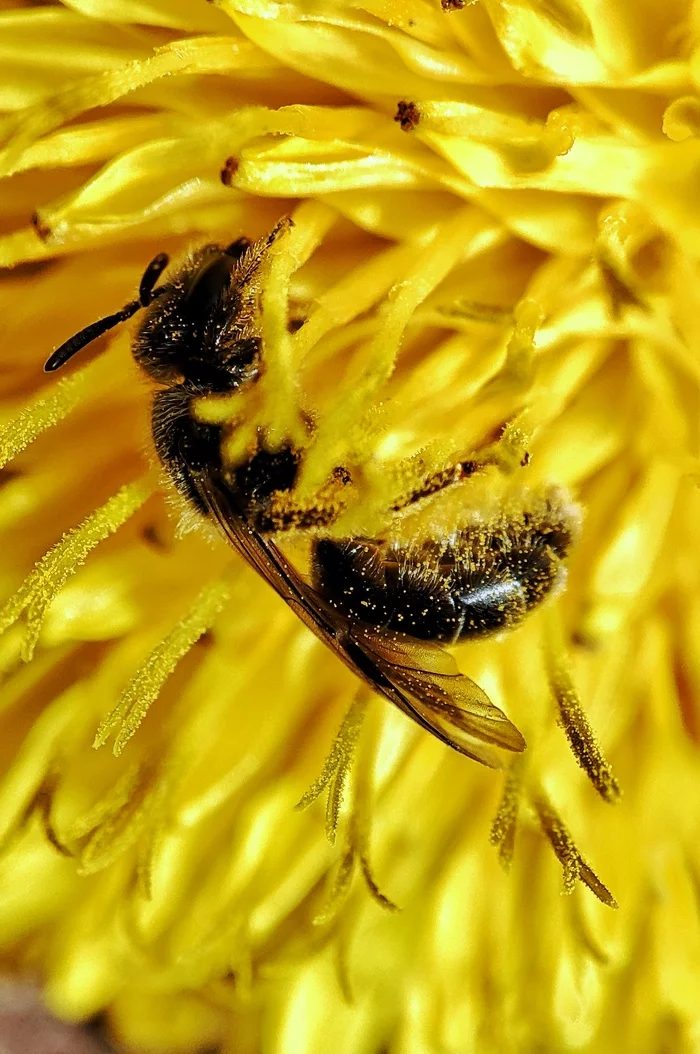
(526, 145)
(505, 821)
(42, 804)
(145, 686)
(375, 891)
(40, 414)
(472, 310)
(359, 839)
(337, 765)
(336, 793)
(582, 931)
(54, 569)
(625, 564)
(339, 889)
(360, 823)
(579, 733)
(205, 54)
(359, 392)
(117, 821)
(574, 866)
(312, 221)
(681, 118)
(353, 295)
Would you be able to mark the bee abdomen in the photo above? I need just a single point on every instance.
(465, 592)
(360, 582)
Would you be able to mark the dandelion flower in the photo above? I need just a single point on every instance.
(494, 250)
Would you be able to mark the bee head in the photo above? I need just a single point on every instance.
(200, 329)
(199, 325)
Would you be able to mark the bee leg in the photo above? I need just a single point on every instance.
(250, 255)
(283, 512)
(437, 481)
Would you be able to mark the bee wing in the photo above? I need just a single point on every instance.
(435, 693)
(420, 678)
(265, 558)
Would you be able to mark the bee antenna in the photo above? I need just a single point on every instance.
(147, 293)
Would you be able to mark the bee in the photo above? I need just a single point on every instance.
(386, 610)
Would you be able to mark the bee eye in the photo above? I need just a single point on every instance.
(207, 288)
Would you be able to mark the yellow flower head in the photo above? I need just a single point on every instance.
(488, 296)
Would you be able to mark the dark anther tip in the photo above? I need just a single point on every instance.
(40, 226)
(229, 170)
(408, 115)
